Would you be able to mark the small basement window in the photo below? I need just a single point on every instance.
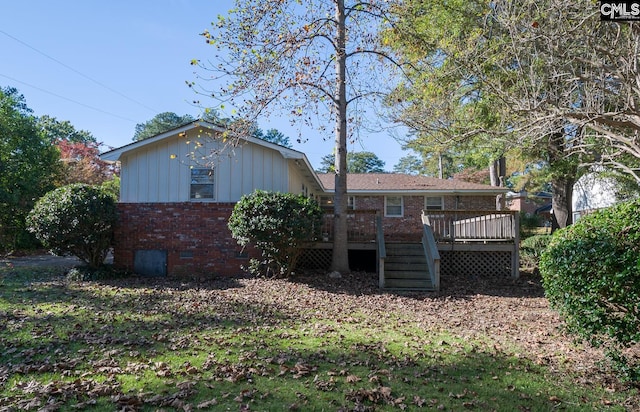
(202, 183)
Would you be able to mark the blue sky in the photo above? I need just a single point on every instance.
(106, 66)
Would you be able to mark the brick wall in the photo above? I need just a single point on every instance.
(194, 235)
(409, 226)
(198, 243)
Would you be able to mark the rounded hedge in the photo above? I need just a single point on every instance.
(531, 249)
(77, 219)
(591, 275)
(276, 223)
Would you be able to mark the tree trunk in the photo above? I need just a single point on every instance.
(497, 172)
(562, 201)
(340, 259)
(562, 182)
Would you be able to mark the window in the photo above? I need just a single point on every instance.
(326, 202)
(393, 205)
(202, 184)
(433, 203)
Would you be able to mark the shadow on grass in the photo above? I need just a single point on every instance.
(343, 375)
(171, 343)
(43, 318)
(456, 287)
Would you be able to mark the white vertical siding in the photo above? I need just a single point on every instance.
(162, 183)
(295, 180)
(125, 171)
(246, 171)
(222, 173)
(149, 174)
(174, 171)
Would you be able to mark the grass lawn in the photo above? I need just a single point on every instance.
(310, 343)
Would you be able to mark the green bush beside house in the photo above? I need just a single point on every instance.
(277, 224)
(591, 275)
(78, 220)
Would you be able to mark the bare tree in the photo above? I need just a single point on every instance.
(317, 61)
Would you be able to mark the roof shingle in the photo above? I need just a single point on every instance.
(371, 182)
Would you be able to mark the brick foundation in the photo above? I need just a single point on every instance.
(194, 235)
(198, 242)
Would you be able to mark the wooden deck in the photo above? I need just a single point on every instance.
(455, 242)
(472, 225)
(361, 227)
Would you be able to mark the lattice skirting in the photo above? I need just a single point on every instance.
(468, 263)
(315, 259)
(454, 263)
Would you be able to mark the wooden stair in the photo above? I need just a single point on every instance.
(405, 267)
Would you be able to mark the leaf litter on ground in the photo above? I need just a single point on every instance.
(336, 343)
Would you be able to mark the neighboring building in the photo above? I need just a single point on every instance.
(176, 198)
(531, 204)
(592, 192)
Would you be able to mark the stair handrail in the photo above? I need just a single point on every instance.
(382, 251)
(431, 252)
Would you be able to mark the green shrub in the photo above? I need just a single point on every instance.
(77, 219)
(84, 273)
(591, 275)
(529, 224)
(531, 249)
(112, 186)
(276, 223)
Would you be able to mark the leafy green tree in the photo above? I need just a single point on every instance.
(327, 164)
(159, 124)
(77, 219)
(29, 167)
(515, 77)
(55, 130)
(79, 152)
(277, 224)
(364, 162)
(319, 61)
(409, 164)
(273, 136)
(445, 109)
(357, 162)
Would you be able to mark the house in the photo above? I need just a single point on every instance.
(593, 191)
(402, 198)
(178, 190)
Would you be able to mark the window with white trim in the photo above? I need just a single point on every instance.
(202, 183)
(433, 203)
(393, 206)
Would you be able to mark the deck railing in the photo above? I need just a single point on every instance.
(467, 225)
(361, 226)
(431, 253)
(382, 250)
